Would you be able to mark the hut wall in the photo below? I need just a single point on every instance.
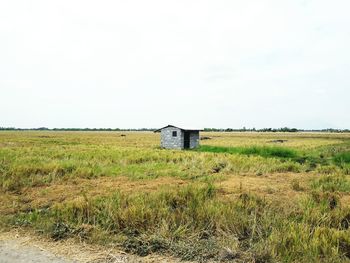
(168, 141)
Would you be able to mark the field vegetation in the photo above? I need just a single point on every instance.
(240, 197)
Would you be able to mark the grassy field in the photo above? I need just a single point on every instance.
(240, 197)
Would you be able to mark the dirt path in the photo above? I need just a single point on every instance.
(17, 246)
(17, 250)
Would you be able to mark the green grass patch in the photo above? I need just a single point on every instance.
(342, 158)
(264, 151)
(310, 160)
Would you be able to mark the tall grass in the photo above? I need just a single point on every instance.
(196, 223)
(332, 183)
(192, 222)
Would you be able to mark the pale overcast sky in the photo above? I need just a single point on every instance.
(253, 63)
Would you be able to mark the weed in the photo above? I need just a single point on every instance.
(60, 230)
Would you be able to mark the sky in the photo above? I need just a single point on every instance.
(136, 63)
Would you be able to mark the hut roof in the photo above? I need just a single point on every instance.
(184, 129)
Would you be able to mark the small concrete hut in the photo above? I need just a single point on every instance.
(173, 137)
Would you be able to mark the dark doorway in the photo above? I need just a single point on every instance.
(187, 140)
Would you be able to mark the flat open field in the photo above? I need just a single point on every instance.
(241, 197)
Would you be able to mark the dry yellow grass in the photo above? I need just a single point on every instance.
(75, 189)
(277, 187)
(295, 140)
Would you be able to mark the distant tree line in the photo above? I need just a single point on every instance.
(244, 129)
(73, 129)
(284, 129)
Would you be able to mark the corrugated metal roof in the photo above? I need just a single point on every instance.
(181, 128)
